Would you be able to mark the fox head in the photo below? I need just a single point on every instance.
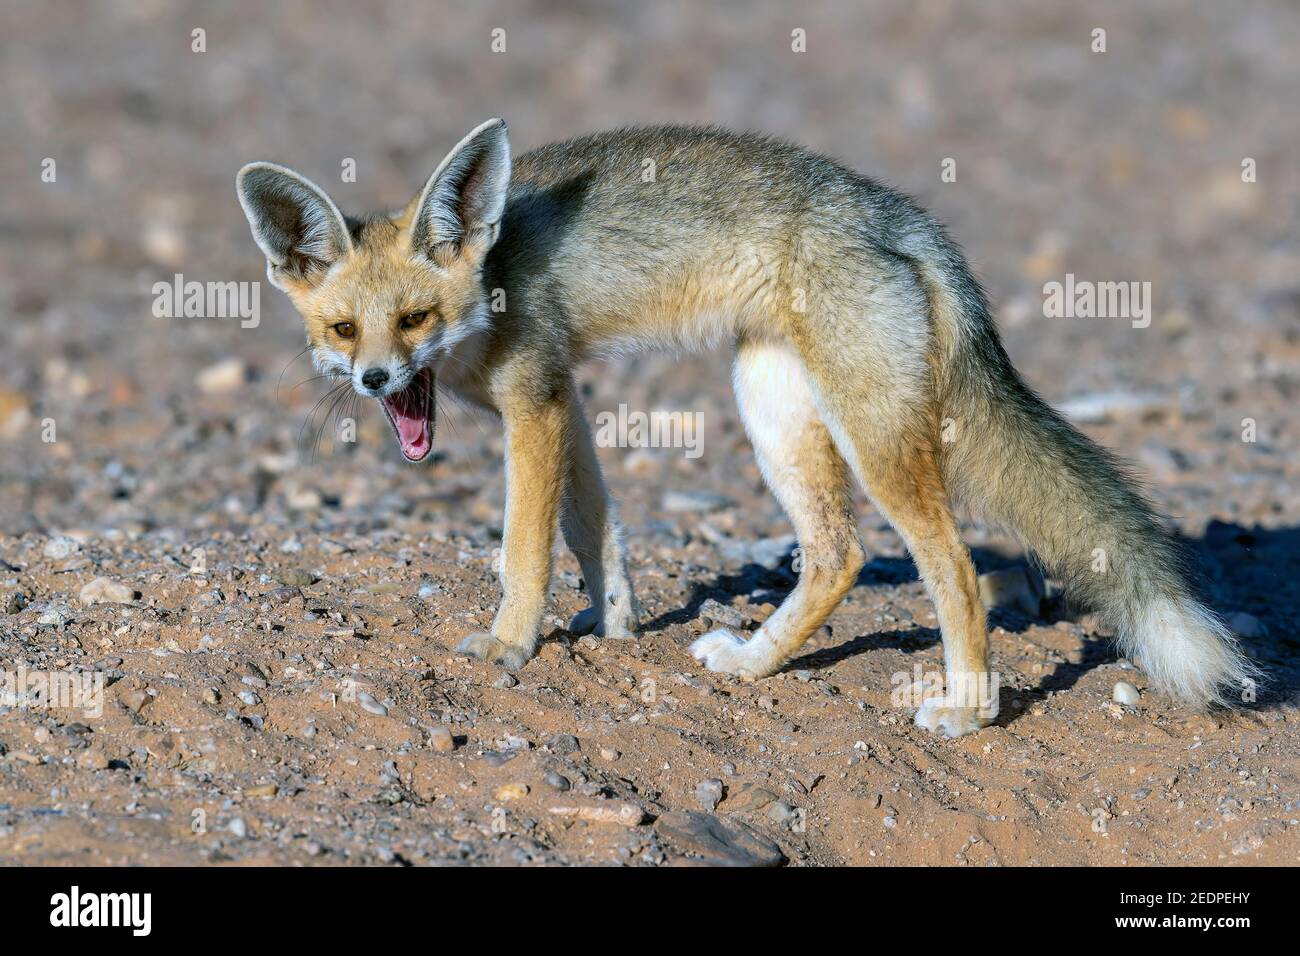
(385, 297)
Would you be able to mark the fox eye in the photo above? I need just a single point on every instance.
(344, 330)
(413, 320)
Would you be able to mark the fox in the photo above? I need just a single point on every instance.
(864, 351)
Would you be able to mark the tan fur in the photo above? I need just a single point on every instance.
(858, 330)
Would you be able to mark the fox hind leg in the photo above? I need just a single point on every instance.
(891, 443)
(811, 481)
(589, 520)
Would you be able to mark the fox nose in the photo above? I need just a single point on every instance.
(374, 378)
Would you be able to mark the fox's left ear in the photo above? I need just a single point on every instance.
(464, 199)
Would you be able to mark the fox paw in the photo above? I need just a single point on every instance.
(487, 648)
(589, 621)
(724, 653)
(937, 717)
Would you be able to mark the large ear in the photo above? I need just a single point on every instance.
(462, 202)
(301, 232)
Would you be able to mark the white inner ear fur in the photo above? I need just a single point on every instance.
(320, 232)
(465, 197)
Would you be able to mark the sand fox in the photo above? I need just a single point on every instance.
(863, 347)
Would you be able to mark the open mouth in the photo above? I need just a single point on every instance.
(411, 413)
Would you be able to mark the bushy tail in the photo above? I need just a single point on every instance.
(1013, 460)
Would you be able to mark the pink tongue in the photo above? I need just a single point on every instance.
(411, 418)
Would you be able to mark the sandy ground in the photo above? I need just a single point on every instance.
(280, 685)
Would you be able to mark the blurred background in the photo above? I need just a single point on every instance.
(1122, 165)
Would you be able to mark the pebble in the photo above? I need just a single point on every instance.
(295, 577)
(441, 740)
(224, 376)
(238, 827)
(780, 812)
(249, 698)
(54, 616)
(609, 753)
(506, 680)
(370, 705)
(612, 811)
(563, 744)
(92, 760)
(725, 842)
(719, 613)
(16, 602)
(106, 591)
(680, 501)
(211, 696)
(557, 781)
(708, 793)
(748, 800)
(61, 547)
(511, 791)
(1125, 693)
(262, 790)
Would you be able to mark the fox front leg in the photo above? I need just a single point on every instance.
(537, 443)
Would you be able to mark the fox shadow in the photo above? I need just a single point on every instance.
(1253, 571)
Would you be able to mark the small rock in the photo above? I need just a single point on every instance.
(719, 613)
(106, 591)
(16, 602)
(295, 577)
(55, 615)
(557, 781)
(680, 501)
(92, 760)
(780, 812)
(611, 811)
(224, 376)
(563, 744)
(238, 827)
(890, 822)
(1125, 693)
(60, 548)
(511, 791)
(708, 794)
(211, 696)
(370, 705)
(249, 698)
(441, 740)
(609, 753)
(506, 680)
(262, 790)
(718, 841)
(748, 800)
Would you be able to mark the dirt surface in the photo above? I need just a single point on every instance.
(280, 685)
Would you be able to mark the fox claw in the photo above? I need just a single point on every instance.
(936, 717)
(589, 621)
(724, 653)
(487, 648)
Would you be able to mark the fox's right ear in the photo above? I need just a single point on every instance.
(299, 229)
